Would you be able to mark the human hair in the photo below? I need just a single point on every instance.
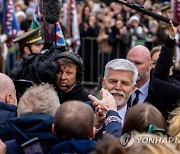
(174, 125)
(39, 99)
(21, 49)
(155, 50)
(108, 145)
(68, 57)
(73, 120)
(151, 147)
(139, 117)
(121, 64)
(6, 87)
(83, 16)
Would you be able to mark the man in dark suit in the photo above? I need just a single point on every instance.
(146, 82)
(140, 56)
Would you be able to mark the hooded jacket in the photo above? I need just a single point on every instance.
(28, 127)
(7, 112)
(74, 146)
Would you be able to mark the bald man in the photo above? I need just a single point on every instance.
(154, 87)
(141, 57)
(8, 106)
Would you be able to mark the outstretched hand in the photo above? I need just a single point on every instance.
(102, 106)
(107, 102)
(173, 30)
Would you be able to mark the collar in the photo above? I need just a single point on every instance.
(144, 89)
(74, 146)
(8, 107)
(122, 113)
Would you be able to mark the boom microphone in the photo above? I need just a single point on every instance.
(51, 10)
(141, 9)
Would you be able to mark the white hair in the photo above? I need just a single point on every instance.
(39, 99)
(121, 64)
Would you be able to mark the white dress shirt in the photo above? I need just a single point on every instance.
(122, 113)
(143, 93)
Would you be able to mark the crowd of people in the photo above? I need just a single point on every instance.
(43, 99)
(108, 28)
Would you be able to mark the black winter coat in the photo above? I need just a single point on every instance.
(7, 112)
(77, 93)
(28, 127)
(161, 82)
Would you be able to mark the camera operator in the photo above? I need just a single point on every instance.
(68, 79)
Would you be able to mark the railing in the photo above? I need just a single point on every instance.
(94, 61)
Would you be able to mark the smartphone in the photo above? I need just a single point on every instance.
(32, 147)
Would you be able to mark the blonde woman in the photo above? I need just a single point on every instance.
(174, 126)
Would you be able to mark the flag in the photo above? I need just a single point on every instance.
(175, 6)
(71, 24)
(10, 26)
(52, 33)
(38, 20)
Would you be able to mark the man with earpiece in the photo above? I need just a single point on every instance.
(68, 78)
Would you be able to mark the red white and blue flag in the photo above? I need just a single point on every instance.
(10, 26)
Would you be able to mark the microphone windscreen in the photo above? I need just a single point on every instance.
(51, 10)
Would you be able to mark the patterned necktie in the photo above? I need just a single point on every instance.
(136, 99)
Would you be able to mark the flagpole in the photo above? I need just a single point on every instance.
(69, 19)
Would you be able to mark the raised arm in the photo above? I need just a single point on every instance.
(106, 113)
(164, 61)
